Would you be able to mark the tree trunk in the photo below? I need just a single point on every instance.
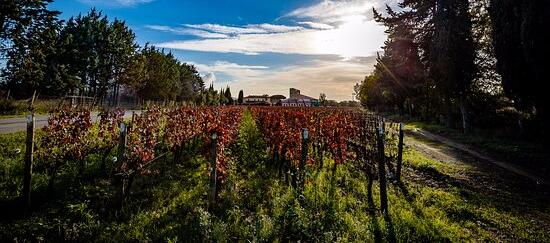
(463, 102)
(449, 110)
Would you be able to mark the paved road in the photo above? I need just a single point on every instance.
(10, 125)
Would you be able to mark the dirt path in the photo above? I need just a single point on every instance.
(440, 155)
(501, 186)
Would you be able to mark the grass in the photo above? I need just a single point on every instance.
(18, 108)
(256, 204)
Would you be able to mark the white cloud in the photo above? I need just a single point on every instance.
(333, 11)
(315, 25)
(247, 29)
(332, 77)
(208, 78)
(121, 3)
(331, 27)
(186, 31)
(356, 37)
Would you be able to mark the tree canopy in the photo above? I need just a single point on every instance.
(87, 55)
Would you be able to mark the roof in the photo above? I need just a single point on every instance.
(292, 100)
(303, 97)
(278, 97)
(257, 96)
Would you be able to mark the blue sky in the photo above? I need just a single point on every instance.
(261, 47)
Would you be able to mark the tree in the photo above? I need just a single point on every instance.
(323, 99)
(401, 72)
(123, 49)
(99, 52)
(191, 82)
(521, 50)
(29, 37)
(16, 16)
(227, 95)
(240, 99)
(452, 59)
(161, 75)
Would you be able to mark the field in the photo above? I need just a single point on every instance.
(156, 182)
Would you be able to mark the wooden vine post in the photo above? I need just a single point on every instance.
(122, 142)
(382, 171)
(27, 176)
(399, 152)
(302, 173)
(120, 157)
(213, 172)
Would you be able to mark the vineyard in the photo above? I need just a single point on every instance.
(228, 173)
(296, 140)
(297, 137)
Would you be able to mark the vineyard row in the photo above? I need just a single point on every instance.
(296, 137)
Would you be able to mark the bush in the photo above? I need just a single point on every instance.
(7, 107)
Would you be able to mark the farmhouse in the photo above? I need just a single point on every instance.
(257, 100)
(263, 99)
(297, 99)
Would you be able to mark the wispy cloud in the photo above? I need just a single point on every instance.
(315, 25)
(186, 31)
(357, 37)
(247, 29)
(120, 3)
(335, 11)
(330, 27)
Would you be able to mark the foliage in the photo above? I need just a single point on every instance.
(87, 55)
(521, 50)
(65, 140)
(240, 99)
(143, 136)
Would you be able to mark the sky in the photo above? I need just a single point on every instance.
(260, 47)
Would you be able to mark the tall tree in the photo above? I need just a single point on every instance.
(160, 76)
(227, 95)
(401, 72)
(17, 15)
(323, 99)
(240, 99)
(122, 48)
(28, 35)
(522, 50)
(452, 59)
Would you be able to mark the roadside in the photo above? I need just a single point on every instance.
(519, 152)
(510, 202)
(422, 134)
(16, 124)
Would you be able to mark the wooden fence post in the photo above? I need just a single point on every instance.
(27, 176)
(382, 171)
(213, 171)
(399, 152)
(305, 138)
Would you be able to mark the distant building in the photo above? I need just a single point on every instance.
(276, 99)
(264, 99)
(297, 99)
(257, 100)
